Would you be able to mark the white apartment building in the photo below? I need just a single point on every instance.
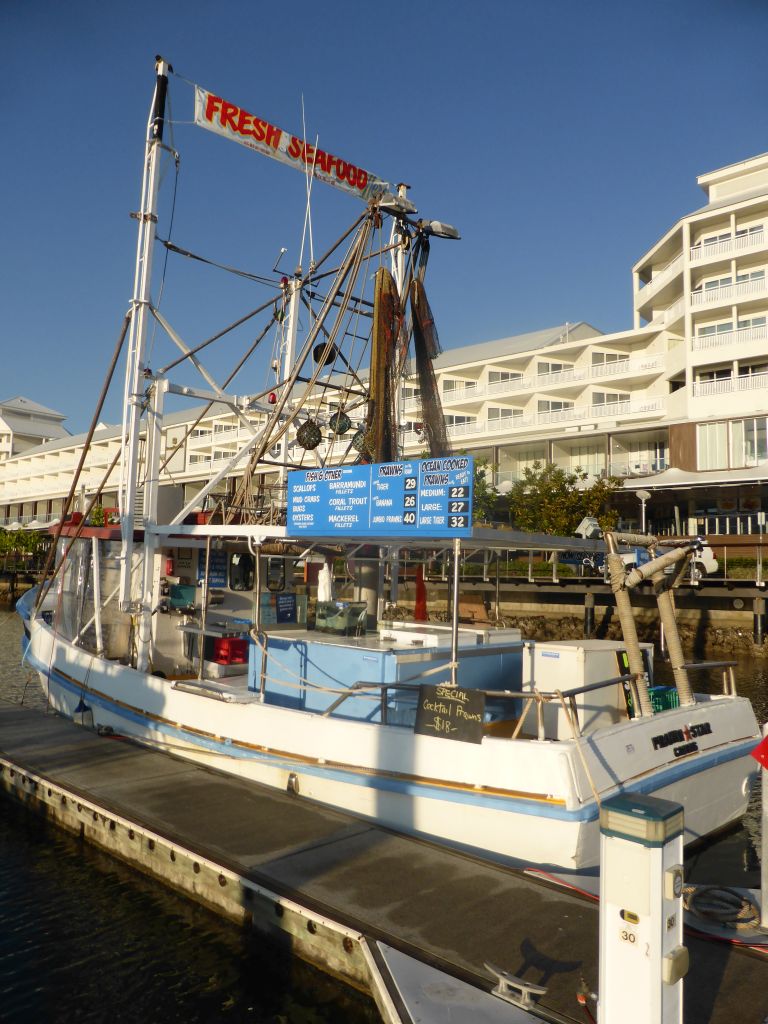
(25, 424)
(676, 406)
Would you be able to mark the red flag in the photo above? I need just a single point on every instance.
(760, 753)
(420, 613)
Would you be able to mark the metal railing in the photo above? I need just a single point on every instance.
(741, 243)
(740, 336)
(671, 313)
(728, 292)
(664, 275)
(544, 381)
(727, 385)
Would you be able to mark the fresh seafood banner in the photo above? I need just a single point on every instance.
(233, 122)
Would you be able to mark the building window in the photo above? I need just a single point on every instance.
(714, 283)
(746, 232)
(753, 275)
(496, 414)
(458, 385)
(497, 376)
(548, 405)
(458, 421)
(707, 376)
(408, 391)
(749, 442)
(712, 444)
(724, 236)
(602, 358)
(750, 321)
(544, 368)
(609, 397)
(709, 329)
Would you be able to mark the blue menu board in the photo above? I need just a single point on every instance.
(426, 497)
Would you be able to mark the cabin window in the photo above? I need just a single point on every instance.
(241, 571)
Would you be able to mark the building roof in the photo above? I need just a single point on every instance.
(105, 432)
(516, 343)
(740, 197)
(33, 426)
(26, 405)
(684, 478)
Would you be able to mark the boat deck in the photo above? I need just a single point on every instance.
(442, 907)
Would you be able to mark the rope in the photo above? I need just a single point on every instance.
(577, 741)
(188, 254)
(721, 905)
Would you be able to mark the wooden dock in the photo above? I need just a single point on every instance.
(328, 885)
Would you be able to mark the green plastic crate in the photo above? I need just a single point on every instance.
(663, 698)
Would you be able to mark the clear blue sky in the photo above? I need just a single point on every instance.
(562, 138)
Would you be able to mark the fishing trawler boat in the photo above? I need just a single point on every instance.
(190, 623)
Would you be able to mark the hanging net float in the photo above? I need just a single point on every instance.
(309, 435)
(339, 422)
(324, 353)
(363, 442)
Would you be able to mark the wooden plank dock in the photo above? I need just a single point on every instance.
(329, 884)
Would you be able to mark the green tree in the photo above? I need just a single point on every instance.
(485, 497)
(551, 500)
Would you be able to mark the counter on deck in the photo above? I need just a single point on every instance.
(393, 656)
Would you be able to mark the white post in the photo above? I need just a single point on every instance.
(134, 374)
(97, 595)
(642, 956)
(289, 355)
(151, 490)
(455, 612)
(398, 240)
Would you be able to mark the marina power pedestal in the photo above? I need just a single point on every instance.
(642, 957)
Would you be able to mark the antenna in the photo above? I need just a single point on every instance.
(280, 255)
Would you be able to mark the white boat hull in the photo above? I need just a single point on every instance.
(519, 801)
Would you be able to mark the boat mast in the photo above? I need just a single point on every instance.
(289, 356)
(133, 399)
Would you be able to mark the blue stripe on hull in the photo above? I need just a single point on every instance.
(403, 787)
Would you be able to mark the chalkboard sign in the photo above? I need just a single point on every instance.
(450, 713)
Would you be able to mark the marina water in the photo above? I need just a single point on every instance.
(82, 937)
(85, 938)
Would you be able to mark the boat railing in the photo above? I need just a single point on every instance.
(537, 698)
(567, 699)
(728, 673)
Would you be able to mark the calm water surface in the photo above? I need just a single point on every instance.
(84, 938)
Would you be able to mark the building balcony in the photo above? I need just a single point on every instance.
(663, 277)
(730, 385)
(575, 414)
(704, 252)
(628, 367)
(639, 367)
(741, 336)
(619, 410)
(670, 315)
(630, 466)
(729, 293)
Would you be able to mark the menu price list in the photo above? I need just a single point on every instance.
(432, 497)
